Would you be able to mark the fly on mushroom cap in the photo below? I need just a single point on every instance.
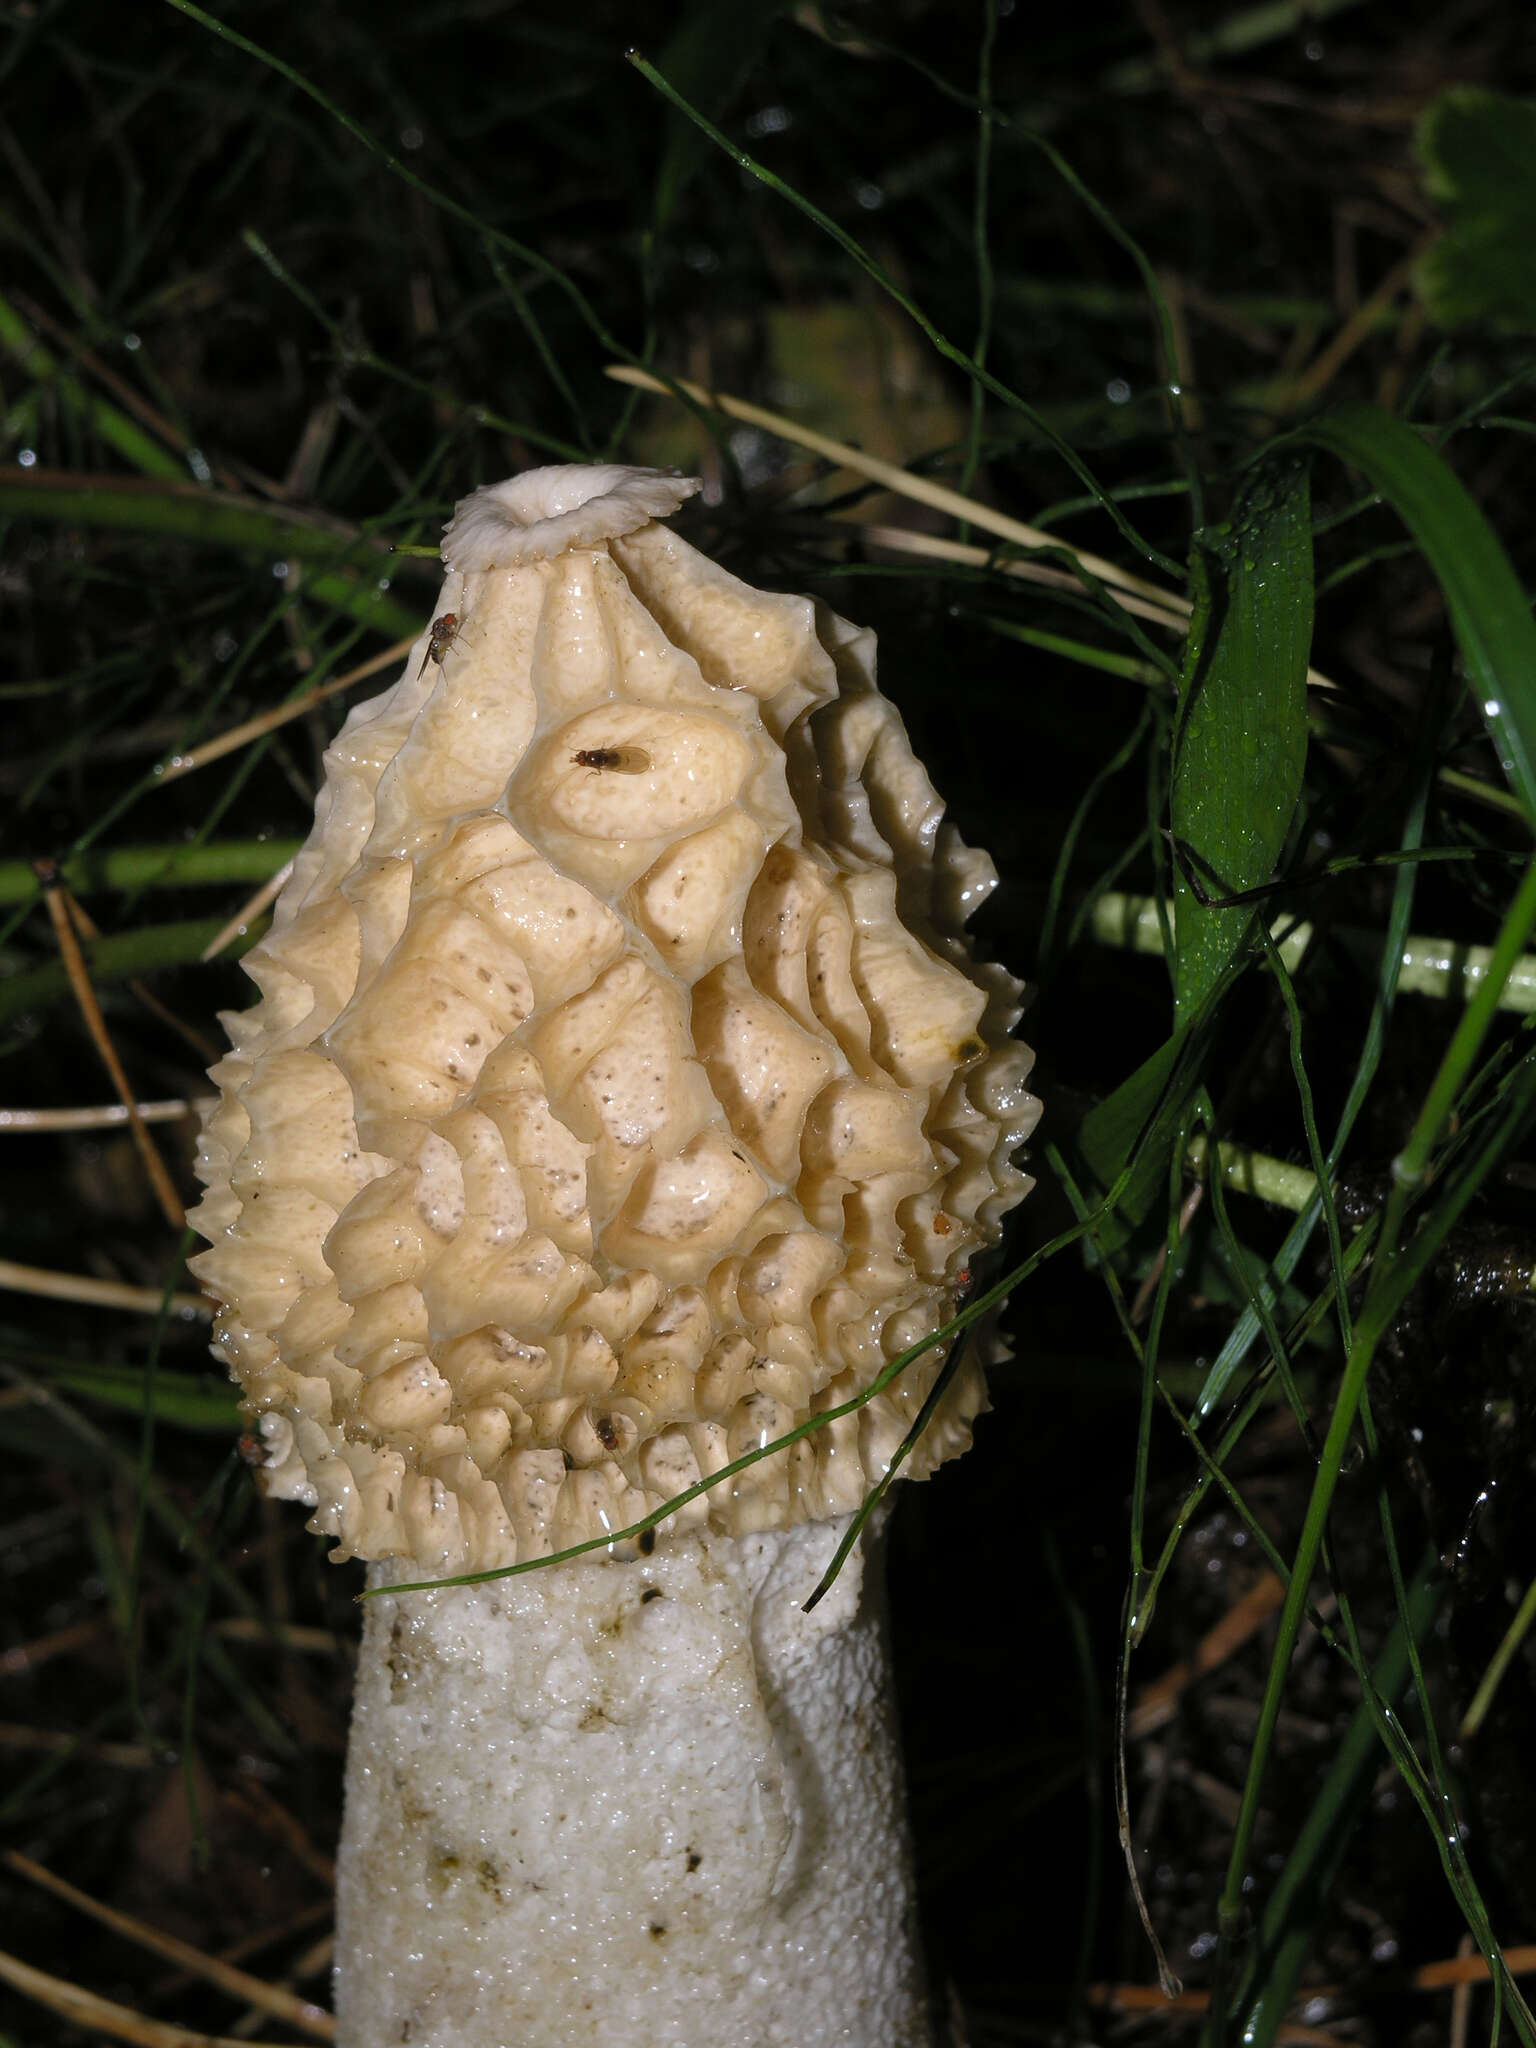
(622, 1090)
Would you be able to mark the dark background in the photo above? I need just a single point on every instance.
(317, 334)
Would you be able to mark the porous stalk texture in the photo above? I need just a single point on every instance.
(621, 1803)
(623, 1092)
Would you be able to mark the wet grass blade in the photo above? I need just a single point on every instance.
(1394, 1272)
(113, 426)
(1489, 612)
(346, 569)
(172, 865)
(115, 958)
(1295, 1908)
(181, 1400)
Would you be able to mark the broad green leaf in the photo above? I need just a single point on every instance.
(1478, 150)
(1489, 612)
(1239, 755)
(1242, 739)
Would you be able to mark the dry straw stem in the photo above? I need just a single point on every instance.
(1135, 594)
(1439, 1976)
(1193, 2005)
(1167, 611)
(80, 981)
(269, 721)
(937, 496)
(1159, 1700)
(85, 2009)
(302, 2013)
(103, 1116)
(1311, 383)
(86, 928)
(908, 540)
(126, 1756)
(286, 1635)
(249, 911)
(97, 1293)
(1443, 968)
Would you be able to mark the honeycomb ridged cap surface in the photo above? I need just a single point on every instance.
(622, 1091)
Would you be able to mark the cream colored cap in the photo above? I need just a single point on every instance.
(622, 1092)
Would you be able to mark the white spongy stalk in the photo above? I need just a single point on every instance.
(647, 1802)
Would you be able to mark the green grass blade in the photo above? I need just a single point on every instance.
(181, 1400)
(173, 866)
(1289, 1924)
(119, 955)
(347, 570)
(115, 428)
(1241, 1337)
(1488, 610)
(1393, 1275)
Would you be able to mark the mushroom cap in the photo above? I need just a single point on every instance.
(622, 1091)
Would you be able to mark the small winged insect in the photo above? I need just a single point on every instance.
(621, 760)
(444, 632)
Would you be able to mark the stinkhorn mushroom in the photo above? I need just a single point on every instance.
(621, 1094)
